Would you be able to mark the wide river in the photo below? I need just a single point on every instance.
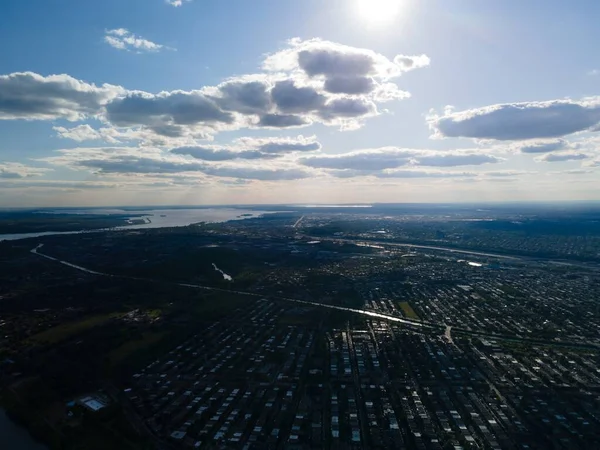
(157, 218)
(14, 437)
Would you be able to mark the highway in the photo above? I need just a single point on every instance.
(514, 258)
(427, 247)
(298, 222)
(414, 324)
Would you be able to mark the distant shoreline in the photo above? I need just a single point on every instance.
(151, 219)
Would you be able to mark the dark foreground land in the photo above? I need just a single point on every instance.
(190, 337)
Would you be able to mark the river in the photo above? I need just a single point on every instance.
(158, 218)
(14, 437)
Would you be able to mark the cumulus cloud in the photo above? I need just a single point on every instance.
(56, 185)
(570, 172)
(123, 39)
(423, 174)
(133, 161)
(13, 171)
(507, 173)
(118, 135)
(519, 121)
(246, 95)
(123, 183)
(256, 173)
(309, 82)
(109, 160)
(215, 153)
(543, 146)
(404, 173)
(387, 92)
(349, 85)
(348, 108)
(460, 159)
(290, 98)
(168, 113)
(345, 68)
(79, 133)
(139, 164)
(315, 81)
(559, 157)
(27, 95)
(176, 3)
(282, 145)
(251, 148)
(283, 121)
(392, 157)
(377, 159)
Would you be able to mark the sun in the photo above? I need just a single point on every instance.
(378, 11)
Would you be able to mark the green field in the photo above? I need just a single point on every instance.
(408, 311)
(66, 330)
(126, 350)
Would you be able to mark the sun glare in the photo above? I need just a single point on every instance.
(378, 11)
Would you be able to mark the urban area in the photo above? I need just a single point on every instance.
(309, 329)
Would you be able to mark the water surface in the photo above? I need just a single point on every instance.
(15, 437)
(154, 218)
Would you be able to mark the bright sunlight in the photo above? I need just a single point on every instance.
(378, 11)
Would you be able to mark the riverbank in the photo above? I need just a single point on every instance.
(15, 436)
(153, 218)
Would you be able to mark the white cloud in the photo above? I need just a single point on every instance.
(542, 146)
(393, 157)
(116, 135)
(443, 159)
(507, 173)
(56, 185)
(123, 39)
(375, 159)
(519, 121)
(143, 161)
(220, 153)
(282, 145)
(176, 3)
(594, 163)
(258, 173)
(343, 69)
(251, 149)
(29, 96)
(275, 121)
(14, 171)
(248, 94)
(310, 82)
(564, 156)
(570, 172)
(79, 133)
(400, 174)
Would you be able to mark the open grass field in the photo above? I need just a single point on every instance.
(66, 330)
(408, 311)
(119, 354)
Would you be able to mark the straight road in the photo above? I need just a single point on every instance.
(415, 324)
(298, 222)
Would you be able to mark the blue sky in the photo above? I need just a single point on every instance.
(276, 101)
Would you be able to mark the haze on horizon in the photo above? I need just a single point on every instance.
(154, 102)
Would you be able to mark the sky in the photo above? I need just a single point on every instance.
(196, 102)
